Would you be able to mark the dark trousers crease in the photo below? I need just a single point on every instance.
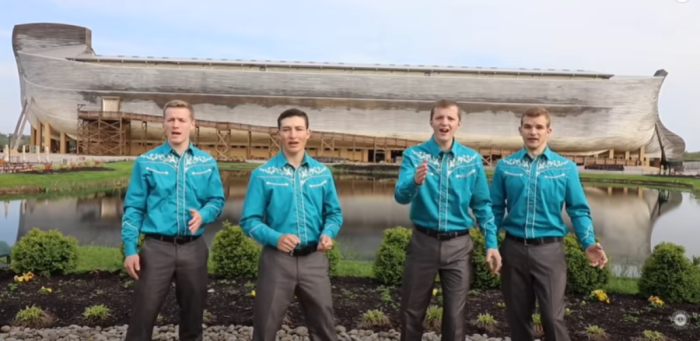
(427, 257)
(529, 273)
(280, 277)
(161, 263)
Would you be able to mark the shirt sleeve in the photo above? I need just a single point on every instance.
(406, 188)
(481, 206)
(498, 196)
(254, 207)
(332, 213)
(134, 208)
(215, 198)
(578, 209)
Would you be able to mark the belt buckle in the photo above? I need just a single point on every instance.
(291, 253)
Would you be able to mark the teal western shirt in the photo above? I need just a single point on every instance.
(302, 201)
(162, 190)
(455, 182)
(535, 191)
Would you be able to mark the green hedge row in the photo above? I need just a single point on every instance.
(667, 273)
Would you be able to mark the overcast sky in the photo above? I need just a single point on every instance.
(624, 37)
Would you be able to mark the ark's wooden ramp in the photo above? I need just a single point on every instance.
(109, 133)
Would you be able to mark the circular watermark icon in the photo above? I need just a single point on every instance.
(682, 1)
(680, 319)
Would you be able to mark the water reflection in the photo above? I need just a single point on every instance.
(628, 221)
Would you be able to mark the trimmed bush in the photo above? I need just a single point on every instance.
(138, 245)
(483, 278)
(234, 254)
(668, 274)
(582, 278)
(334, 257)
(391, 256)
(45, 253)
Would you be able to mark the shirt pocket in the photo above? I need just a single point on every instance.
(162, 182)
(315, 190)
(553, 184)
(514, 180)
(280, 193)
(198, 181)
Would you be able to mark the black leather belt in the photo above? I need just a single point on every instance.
(172, 239)
(534, 241)
(441, 235)
(303, 251)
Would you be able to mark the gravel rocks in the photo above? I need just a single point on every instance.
(211, 333)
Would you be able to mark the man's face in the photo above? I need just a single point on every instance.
(293, 134)
(534, 131)
(445, 123)
(178, 125)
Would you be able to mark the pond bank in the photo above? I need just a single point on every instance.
(390, 170)
(116, 175)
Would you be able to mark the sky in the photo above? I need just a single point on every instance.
(623, 37)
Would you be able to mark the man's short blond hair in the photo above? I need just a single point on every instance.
(537, 112)
(445, 104)
(177, 103)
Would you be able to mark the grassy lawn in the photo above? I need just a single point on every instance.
(14, 184)
(109, 259)
(75, 181)
(118, 176)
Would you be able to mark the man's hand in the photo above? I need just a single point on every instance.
(421, 172)
(325, 243)
(493, 260)
(132, 264)
(195, 222)
(596, 255)
(287, 242)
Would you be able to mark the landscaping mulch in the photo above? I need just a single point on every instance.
(231, 302)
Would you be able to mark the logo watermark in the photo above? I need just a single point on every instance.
(682, 1)
(680, 319)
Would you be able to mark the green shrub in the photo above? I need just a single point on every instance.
(391, 256)
(234, 254)
(582, 278)
(138, 245)
(45, 253)
(668, 274)
(334, 257)
(483, 278)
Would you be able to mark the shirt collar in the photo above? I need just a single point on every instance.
(546, 154)
(281, 160)
(434, 148)
(169, 150)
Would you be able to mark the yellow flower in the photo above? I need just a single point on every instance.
(435, 292)
(656, 302)
(252, 293)
(600, 295)
(25, 277)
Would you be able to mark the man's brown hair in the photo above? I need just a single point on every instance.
(177, 103)
(537, 112)
(444, 104)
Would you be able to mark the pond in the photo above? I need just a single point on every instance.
(629, 221)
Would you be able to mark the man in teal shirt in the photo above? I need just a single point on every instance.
(174, 191)
(291, 207)
(442, 180)
(534, 184)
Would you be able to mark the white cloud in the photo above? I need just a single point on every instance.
(622, 37)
